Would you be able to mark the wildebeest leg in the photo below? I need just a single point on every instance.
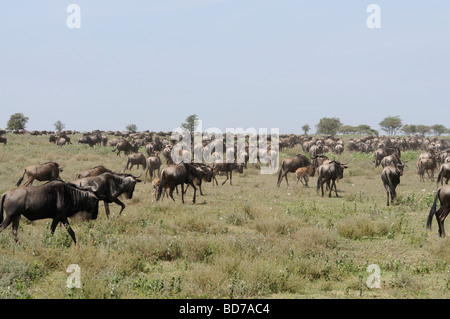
(15, 226)
(5, 223)
(106, 209)
(441, 214)
(226, 179)
(118, 202)
(29, 182)
(182, 192)
(171, 192)
(69, 229)
(195, 191)
(306, 181)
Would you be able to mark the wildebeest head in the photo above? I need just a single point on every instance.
(399, 168)
(128, 183)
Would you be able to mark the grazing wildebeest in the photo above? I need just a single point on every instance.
(43, 172)
(153, 164)
(290, 165)
(136, 159)
(110, 187)
(184, 173)
(3, 139)
(55, 199)
(228, 169)
(444, 173)
(329, 173)
(86, 139)
(302, 174)
(443, 194)
(97, 170)
(391, 178)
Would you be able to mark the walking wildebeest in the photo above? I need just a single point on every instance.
(329, 173)
(443, 194)
(302, 174)
(110, 187)
(390, 159)
(290, 165)
(55, 199)
(184, 173)
(228, 169)
(43, 172)
(391, 178)
(207, 176)
(444, 173)
(153, 164)
(97, 170)
(136, 159)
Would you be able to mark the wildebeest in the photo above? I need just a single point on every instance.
(136, 159)
(228, 169)
(328, 174)
(97, 170)
(155, 183)
(302, 174)
(390, 159)
(110, 187)
(3, 139)
(207, 176)
(86, 139)
(426, 165)
(444, 173)
(126, 147)
(153, 164)
(290, 165)
(183, 173)
(55, 199)
(443, 194)
(390, 176)
(42, 172)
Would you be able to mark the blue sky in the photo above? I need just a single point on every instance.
(235, 63)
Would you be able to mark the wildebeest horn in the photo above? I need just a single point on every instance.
(91, 188)
(140, 173)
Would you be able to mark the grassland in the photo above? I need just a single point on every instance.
(248, 240)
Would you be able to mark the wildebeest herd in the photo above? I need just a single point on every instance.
(59, 200)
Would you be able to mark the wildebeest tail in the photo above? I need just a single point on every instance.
(391, 187)
(439, 176)
(433, 210)
(1, 208)
(21, 179)
(160, 187)
(279, 176)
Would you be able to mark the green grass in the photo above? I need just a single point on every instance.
(249, 240)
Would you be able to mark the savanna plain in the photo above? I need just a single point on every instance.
(246, 240)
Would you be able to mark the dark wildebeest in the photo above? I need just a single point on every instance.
(290, 165)
(136, 159)
(444, 173)
(56, 200)
(86, 139)
(207, 176)
(391, 178)
(43, 172)
(153, 164)
(3, 139)
(126, 147)
(110, 187)
(184, 173)
(228, 169)
(443, 194)
(328, 174)
(97, 170)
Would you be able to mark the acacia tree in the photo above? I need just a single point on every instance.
(306, 128)
(131, 128)
(439, 129)
(59, 126)
(391, 124)
(17, 121)
(328, 126)
(191, 123)
(423, 129)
